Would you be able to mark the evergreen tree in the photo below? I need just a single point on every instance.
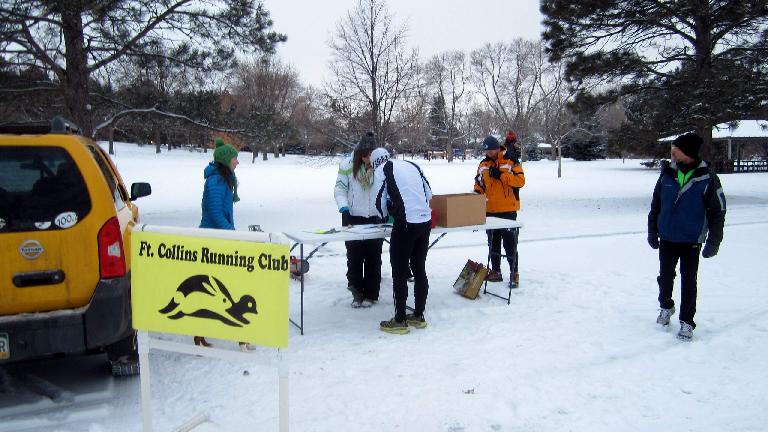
(586, 146)
(73, 40)
(685, 53)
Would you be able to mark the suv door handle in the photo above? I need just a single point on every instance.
(48, 277)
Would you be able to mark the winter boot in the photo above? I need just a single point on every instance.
(514, 280)
(686, 331)
(199, 340)
(245, 347)
(494, 276)
(416, 321)
(664, 315)
(394, 327)
(357, 297)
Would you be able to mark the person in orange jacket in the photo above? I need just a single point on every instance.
(500, 177)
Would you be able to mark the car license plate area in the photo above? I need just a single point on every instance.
(5, 346)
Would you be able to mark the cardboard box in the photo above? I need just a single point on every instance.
(455, 210)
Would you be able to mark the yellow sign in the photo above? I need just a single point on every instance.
(225, 289)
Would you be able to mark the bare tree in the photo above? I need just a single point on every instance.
(373, 70)
(267, 95)
(414, 125)
(507, 77)
(447, 78)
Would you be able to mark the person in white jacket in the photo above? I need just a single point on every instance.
(353, 193)
(402, 191)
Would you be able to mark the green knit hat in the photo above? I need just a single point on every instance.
(223, 155)
(224, 152)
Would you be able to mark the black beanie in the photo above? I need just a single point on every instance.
(689, 144)
(490, 143)
(367, 142)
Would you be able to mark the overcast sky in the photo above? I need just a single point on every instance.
(434, 26)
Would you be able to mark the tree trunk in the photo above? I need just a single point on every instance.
(75, 75)
(112, 139)
(277, 152)
(704, 48)
(157, 139)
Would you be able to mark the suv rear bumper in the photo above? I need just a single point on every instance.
(105, 320)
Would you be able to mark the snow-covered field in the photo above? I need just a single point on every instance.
(578, 349)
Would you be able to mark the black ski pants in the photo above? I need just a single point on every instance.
(364, 263)
(509, 237)
(408, 247)
(688, 255)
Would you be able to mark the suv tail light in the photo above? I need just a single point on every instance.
(111, 256)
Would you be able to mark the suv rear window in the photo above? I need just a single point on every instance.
(41, 188)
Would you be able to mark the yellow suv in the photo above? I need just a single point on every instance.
(65, 224)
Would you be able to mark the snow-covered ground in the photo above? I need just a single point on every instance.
(577, 349)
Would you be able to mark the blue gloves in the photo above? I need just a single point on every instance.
(344, 209)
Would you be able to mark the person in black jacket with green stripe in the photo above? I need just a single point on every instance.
(688, 209)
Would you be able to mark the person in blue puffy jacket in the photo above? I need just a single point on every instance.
(220, 191)
(219, 196)
(688, 209)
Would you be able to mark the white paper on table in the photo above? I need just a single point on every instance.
(367, 229)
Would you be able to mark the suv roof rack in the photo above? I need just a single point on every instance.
(58, 125)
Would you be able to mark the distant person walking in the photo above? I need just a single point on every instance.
(354, 197)
(219, 196)
(500, 177)
(688, 209)
(403, 192)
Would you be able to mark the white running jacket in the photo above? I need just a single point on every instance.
(349, 193)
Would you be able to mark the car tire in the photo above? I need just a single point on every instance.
(123, 357)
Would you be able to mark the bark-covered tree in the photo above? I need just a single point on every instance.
(447, 77)
(508, 77)
(683, 52)
(267, 95)
(73, 40)
(373, 71)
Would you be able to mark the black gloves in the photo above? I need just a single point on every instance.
(710, 250)
(495, 172)
(653, 240)
(345, 218)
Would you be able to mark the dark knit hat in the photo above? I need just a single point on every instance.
(689, 144)
(367, 142)
(224, 152)
(490, 143)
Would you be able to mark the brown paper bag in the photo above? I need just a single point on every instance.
(470, 279)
